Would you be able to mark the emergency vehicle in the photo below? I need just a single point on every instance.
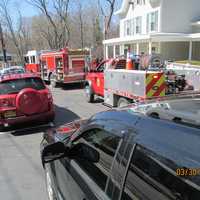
(62, 66)
(119, 86)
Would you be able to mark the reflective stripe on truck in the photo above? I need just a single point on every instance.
(155, 85)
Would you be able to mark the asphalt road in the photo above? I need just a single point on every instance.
(21, 173)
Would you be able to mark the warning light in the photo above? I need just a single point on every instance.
(155, 76)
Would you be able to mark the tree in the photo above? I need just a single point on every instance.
(4, 8)
(55, 34)
(107, 15)
(80, 14)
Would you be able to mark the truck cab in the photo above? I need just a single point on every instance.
(94, 84)
(32, 61)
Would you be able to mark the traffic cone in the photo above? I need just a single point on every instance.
(129, 64)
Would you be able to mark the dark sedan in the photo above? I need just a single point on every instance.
(121, 155)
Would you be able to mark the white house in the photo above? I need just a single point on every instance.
(168, 27)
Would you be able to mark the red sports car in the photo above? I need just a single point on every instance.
(24, 98)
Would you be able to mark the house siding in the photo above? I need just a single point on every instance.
(177, 15)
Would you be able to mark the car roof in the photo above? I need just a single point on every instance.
(173, 141)
(8, 77)
(11, 67)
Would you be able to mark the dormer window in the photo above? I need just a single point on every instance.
(140, 2)
(129, 27)
(152, 22)
(138, 25)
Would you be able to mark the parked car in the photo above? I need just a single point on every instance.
(24, 98)
(184, 110)
(12, 70)
(122, 155)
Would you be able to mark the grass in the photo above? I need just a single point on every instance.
(192, 62)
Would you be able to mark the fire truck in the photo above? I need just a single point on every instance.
(119, 86)
(62, 66)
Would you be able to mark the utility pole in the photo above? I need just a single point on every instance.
(3, 46)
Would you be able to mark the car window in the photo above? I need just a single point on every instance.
(151, 176)
(14, 86)
(106, 144)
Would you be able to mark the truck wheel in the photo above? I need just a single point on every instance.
(53, 82)
(89, 94)
(122, 102)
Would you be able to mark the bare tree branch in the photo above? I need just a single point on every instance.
(108, 17)
(9, 23)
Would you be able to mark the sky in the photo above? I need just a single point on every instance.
(28, 10)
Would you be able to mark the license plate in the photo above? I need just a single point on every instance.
(10, 113)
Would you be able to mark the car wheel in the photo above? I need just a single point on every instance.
(122, 102)
(154, 115)
(177, 120)
(53, 82)
(89, 94)
(49, 185)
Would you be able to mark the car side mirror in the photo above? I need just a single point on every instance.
(85, 152)
(53, 152)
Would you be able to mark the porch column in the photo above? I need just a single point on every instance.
(106, 51)
(150, 47)
(122, 49)
(190, 52)
(159, 47)
(114, 51)
(137, 49)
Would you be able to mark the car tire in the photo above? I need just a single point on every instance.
(154, 115)
(177, 120)
(49, 185)
(53, 82)
(122, 102)
(89, 94)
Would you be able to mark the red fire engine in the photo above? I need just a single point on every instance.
(63, 66)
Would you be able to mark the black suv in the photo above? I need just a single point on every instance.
(121, 155)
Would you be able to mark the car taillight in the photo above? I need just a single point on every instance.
(7, 102)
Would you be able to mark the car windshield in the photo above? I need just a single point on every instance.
(14, 86)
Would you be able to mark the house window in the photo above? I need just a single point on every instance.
(152, 22)
(128, 30)
(129, 27)
(140, 2)
(132, 26)
(138, 25)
